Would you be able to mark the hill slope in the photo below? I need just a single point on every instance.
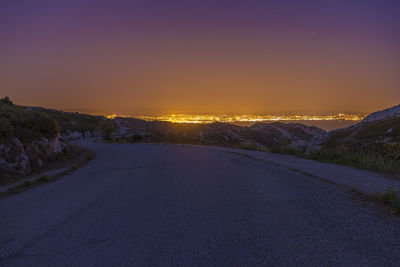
(73, 124)
(393, 112)
(28, 140)
(261, 134)
(374, 143)
(31, 138)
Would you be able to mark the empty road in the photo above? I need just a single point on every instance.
(173, 205)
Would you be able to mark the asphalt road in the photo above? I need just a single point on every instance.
(172, 205)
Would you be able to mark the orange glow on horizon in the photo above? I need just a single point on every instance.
(209, 118)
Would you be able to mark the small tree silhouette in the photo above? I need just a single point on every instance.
(7, 101)
(107, 129)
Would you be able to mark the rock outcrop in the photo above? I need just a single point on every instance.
(378, 127)
(295, 135)
(299, 136)
(17, 158)
(393, 112)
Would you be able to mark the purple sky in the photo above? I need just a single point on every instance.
(143, 57)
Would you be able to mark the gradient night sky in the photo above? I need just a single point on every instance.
(201, 56)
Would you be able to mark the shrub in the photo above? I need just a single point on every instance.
(107, 128)
(251, 146)
(6, 100)
(390, 197)
(137, 138)
(6, 129)
(26, 125)
(72, 121)
(30, 126)
(287, 150)
(43, 179)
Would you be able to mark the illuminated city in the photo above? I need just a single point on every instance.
(209, 118)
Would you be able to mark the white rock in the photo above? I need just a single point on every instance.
(392, 112)
(55, 145)
(75, 135)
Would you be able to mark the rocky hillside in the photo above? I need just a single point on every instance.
(28, 140)
(393, 112)
(366, 133)
(379, 127)
(72, 124)
(31, 138)
(372, 144)
(262, 134)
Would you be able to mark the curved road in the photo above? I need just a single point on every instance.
(168, 205)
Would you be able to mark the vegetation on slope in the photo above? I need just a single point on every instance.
(26, 125)
(390, 198)
(30, 124)
(30, 140)
(372, 146)
(366, 133)
(73, 121)
(379, 157)
(107, 128)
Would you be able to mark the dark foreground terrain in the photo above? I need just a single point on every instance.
(169, 205)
